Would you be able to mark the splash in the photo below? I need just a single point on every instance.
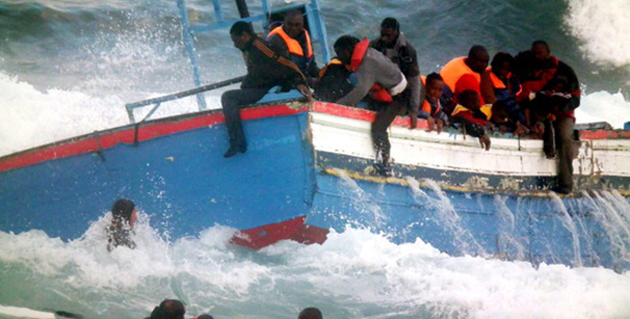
(603, 29)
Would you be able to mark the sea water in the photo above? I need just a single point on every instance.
(68, 67)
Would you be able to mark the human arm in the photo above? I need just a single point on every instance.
(365, 81)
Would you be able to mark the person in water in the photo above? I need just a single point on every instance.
(169, 309)
(265, 69)
(124, 216)
(310, 313)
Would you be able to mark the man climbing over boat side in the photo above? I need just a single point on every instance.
(393, 45)
(292, 40)
(551, 90)
(382, 79)
(265, 69)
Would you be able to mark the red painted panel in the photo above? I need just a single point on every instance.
(259, 237)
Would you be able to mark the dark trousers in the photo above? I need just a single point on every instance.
(232, 102)
(560, 132)
(387, 112)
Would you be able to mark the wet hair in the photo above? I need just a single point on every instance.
(169, 309)
(122, 209)
(239, 27)
(433, 77)
(390, 23)
(500, 58)
(310, 313)
(474, 51)
(204, 316)
(345, 42)
(541, 42)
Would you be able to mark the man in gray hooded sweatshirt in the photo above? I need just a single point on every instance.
(377, 75)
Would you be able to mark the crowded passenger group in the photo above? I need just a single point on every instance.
(531, 94)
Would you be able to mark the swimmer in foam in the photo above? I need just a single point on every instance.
(119, 231)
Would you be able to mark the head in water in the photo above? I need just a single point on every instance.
(344, 47)
(169, 309)
(293, 23)
(310, 313)
(390, 30)
(124, 211)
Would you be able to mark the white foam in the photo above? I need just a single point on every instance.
(353, 273)
(602, 27)
(603, 106)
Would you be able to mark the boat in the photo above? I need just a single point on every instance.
(308, 170)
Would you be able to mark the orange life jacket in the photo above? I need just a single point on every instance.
(377, 92)
(293, 45)
(426, 106)
(454, 70)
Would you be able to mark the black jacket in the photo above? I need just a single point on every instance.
(266, 69)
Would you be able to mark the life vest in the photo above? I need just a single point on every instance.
(485, 109)
(454, 70)
(334, 61)
(499, 85)
(542, 77)
(426, 106)
(377, 92)
(292, 44)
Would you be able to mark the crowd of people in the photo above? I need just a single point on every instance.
(531, 94)
(175, 309)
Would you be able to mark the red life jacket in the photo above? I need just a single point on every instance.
(377, 92)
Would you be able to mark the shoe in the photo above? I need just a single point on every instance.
(382, 169)
(233, 150)
(562, 190)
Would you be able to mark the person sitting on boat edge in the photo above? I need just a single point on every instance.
(124, 216)
(310, 313)
(393, 45)
(431, 106)
(554, 91)
(265, 69)
(292, 40)
(382, 79)
(472, 119)
(168, 309)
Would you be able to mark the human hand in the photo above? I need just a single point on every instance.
(485, 142)
(439, 123)
(431, 123)
(305, 91)
(413, 120)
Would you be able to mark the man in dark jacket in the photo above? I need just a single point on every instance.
(551, 91)
(394, 46)
(265, 69)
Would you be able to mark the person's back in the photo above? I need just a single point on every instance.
(333, 82)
